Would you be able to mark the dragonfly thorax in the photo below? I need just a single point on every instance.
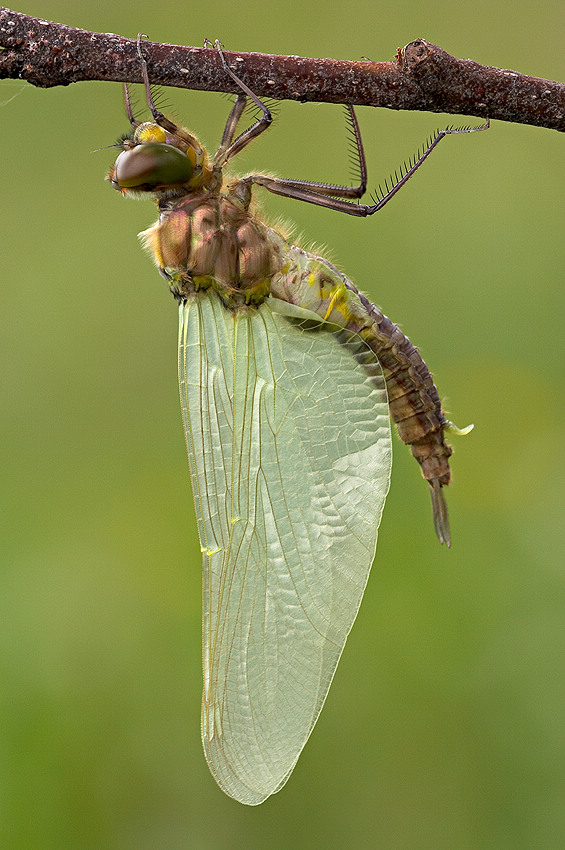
(203, 240)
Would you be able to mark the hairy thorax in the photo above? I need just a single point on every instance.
(211, 241)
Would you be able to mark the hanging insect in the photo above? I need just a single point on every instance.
(288, 379)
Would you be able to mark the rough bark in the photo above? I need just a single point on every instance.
(421, 76)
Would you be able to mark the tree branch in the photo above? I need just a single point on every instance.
(421, 77)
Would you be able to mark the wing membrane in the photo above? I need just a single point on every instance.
(289, 444)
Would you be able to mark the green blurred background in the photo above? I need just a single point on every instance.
(445, 725)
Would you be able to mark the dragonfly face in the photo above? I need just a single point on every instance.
(164, 164)
(288, 376)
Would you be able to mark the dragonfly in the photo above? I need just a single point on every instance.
(289, 378)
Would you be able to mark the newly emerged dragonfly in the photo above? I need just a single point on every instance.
(288, 379)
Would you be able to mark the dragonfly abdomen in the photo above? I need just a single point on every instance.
(415, 406)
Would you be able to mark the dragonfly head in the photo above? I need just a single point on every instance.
(164, 164)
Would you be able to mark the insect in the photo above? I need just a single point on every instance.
(288, 377)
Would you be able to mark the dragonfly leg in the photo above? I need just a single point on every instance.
(326, 195)
(356, 191)
(129, 111)
(157, 116)
(229, 149)
(231, 124)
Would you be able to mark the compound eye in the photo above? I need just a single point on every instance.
(149, 166)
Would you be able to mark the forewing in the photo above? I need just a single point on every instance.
(289, 444)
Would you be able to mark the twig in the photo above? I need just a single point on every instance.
(421, 77)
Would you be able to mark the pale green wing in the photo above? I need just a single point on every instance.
(290, 451)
